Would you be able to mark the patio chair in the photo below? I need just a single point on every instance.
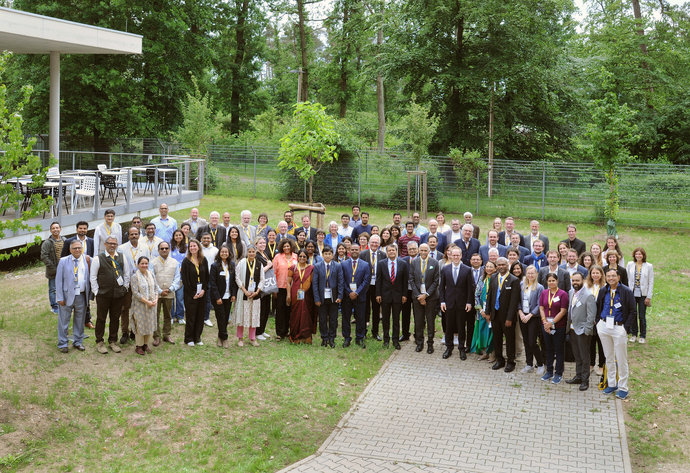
(102, 167)
(87, 189)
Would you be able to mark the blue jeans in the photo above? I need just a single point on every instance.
(555, 348)
(178, 310)
(51, 295)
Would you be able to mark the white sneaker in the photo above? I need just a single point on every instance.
(190, 344)
(208, 323)
(527, 369)
(455, 340)
(598, 371)
(642, 340)
(633, 339)
(443, 340)
(261, 337)
(266, 334)
(182, 322)
(199, 344)
(541, 370)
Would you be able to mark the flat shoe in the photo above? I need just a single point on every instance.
(255, 343)
(240, 343)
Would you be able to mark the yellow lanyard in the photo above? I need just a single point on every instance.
(423, 264)
(112, 261)
(301, 272)
(354, 269)
(198, 276)
(251, 266)
(76, 269)
(213, 234)
(596, 291)
(374, 257)
(552, 297)
(134, 254)
(502, 279)
(272, 249)
(260, 229)
(225, 269)
(151, 246)
(311, 259)
(194, 225)
(613, 295)
(248, 233)
(108, 229)
(161, 260)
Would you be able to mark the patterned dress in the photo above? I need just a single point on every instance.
(143, 317)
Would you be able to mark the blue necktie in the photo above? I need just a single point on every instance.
(498, 292)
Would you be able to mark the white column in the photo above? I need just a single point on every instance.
(54, 130)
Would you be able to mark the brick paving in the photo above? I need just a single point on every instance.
(425, 414)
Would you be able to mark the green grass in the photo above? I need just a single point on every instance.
(207, 409)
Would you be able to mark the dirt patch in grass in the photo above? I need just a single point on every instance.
(25, 423)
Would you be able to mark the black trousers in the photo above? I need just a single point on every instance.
(373, 311)
(454, 320)
(195, 310)
(393, 309)
(108, 306)
(530, 335)
(406, 314)
(124, 313)
(346, 307)
(265, 312)
(580, 347)
(282, 314)
(328, 319)
(499, 330)
(222, 317)
(594, 346)
(466, 329)
(425, 315)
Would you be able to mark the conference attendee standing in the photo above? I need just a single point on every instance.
(573, 242)
(235, 244)
(537, 258)
(425, 277)
(536, 235)
(333, 237)
(178, 252)
(328, 287)
(87, 250)
(553, 310)
(109, 278)
(247, 231)
(165, 225)
(356, 275)
(303, 318)
(456, 293)
(105, 230)
(223, 290)
(594, 282)
(194, 221)
(249, 277)
(145, 292)
(265, 256)
(309, 231)
(493, 243)
(51, 249)
(615, 309)
(283, 261)
(167, 273)
(613, 258)
(131, 252)
(151, 241)
(582, 311)
(434, 231)
(391, 293)
(572, 266)
(482, 339)
(552, 258)
(505, 237)
(372, 256)
(468, 244)
(530, 325)
(72, 291)
(214, 228)
(406, 238)
(641, 274)
(363, 227)
(262, 228)
(195, 275)
(503, 300)
(406, 312)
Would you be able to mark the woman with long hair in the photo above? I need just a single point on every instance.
(235, 245)
(341, 252)
(641, 275)
(223, 292)
(553, 309)
(301, 300)
(586, 260)
(282, 262)
(195, 275)
(529, 320)
(178, 251)
(595, 249)
(562, 253)
(144, 304)
(612, 245)
(266, 260)
(386, 238)
(249, 277)
(613, 260)
(483, 336)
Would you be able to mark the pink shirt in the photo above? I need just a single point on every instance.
(281, 265)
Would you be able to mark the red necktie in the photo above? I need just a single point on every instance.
(392, 271)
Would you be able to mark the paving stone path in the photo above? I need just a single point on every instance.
(425, 414)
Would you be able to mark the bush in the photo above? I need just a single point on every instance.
(213, 177)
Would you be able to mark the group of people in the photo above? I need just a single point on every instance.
(379, 278)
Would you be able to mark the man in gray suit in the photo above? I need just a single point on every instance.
(581, 314)
(72, 294)
(424, 274)
(247, 231)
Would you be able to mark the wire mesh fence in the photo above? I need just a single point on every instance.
(651, 195)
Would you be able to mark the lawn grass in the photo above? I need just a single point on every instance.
(259, 409)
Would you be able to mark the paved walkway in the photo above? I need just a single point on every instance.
(423, 413)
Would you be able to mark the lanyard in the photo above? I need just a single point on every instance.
(320, 248)
(213, 234)
(198, 277)
(134, 254)
(166, 225)
(112, 261)
(311, 259)
(354, 269)
(551, 298)
(76, 269)
(374, 257)
(301, 272)
(596, 290)
(273, 249)
(502, 279)
(328, 274)
(248, 233)
(613, 295)
(423, 264)
(225, 269)
(108, 229)
(150, 247)
(251, 266)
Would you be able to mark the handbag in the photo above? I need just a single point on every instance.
(270, 282)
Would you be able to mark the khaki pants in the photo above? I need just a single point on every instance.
(166, 305)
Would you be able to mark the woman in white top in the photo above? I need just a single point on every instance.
(641, 281)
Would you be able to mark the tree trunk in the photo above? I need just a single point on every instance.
(304, 86)
(380, 105)
(343, 62)
(637, 12)
(311, 189)
(240, 53)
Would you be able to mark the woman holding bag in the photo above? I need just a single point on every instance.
(266, 259)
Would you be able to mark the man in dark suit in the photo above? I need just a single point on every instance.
(572, 265)
(424, 274)
(363, 227)
(475, 228)
(456, 292)
(373, 309)
(406, 315)
(492, 235)
(391, 292)
(87, 246)
(328, 289)
(536, 235)
(573, 242)
(283, 232)
(468, 244)
(433, 231)
(356, 276)
(215, 229)
(309, 231)
(505, 237)
(552, 258)
(503, 299)
(515, 243)
(537, 257)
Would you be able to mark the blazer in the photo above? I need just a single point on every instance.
(646, 278)
(531, 260)
(200, 222)
(189, 276)
(361, 278)
(577, 244)
(64, 280)
(88, 250)
(328, 240)
(442, 242)
(247, 240)
(217, 282)
(582, 312)
(366, 256)
(431, 277)
(622, 272)
(221, 236)
(289, 237)
(524, 253)
(580, 269)
(484, 252)
(311, 234)
(544, 238)
(508, 300)
(392, 292)
(456, 294)
(627, 301)
(502, 239)
(533, 298)
(563, 278)
(335, 281)
(468, 250)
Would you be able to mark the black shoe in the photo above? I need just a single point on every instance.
(447, 353)
(404, 338)
(463, 356)
(360, 343)
(378, 337)
(79, 347)
(131, 335)
(498, 365)
(385, 345)
(419, 347)
(63, 349)
(124, 339)
(396, 345)
(324, 343)
(331, 343)
(574, 380)
(430, 349)
(346, 343)
(509, 367)
(584, 386)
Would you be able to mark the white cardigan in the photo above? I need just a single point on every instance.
(646, 278)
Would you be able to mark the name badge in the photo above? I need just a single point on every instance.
(300, 294)
(77, 291)
(637, 292)
(222, 273)
(556, 299)
(327, 293)
(373, 280)
(423, 289)
(571, 326)
(353, 287)
(120, 281)
(198, 288)
(617, 305)
(510, 287)
(252, 286)
(578, 304)
(610, 323)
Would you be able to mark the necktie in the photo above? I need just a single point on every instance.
(476, 276)
(392, 271)
(455, 274)
(328, 273)
(433, 254)
(498, 292)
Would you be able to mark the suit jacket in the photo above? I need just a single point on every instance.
(627, 301)
(577, 244)
(531, 260)
(475, 232)
(533, 298)
(362, 278)
(247, 240)
(216, 282)
(646, 278)
(392, 292)
(508, 300)
(544, 238)
(366, 256)
(64, 280)
(289, 237)
(502, 238)
(563, 278)
(442, 242)
(311, 234)
(524, 252)
(582, 312)
(335, 281)
(456, 294)
(87, 251)
(221, 235)
(194, 226)
(431, 278)
(484, 252)
(468, 250)
(580, 269)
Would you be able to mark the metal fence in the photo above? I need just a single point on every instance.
(651, 195)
